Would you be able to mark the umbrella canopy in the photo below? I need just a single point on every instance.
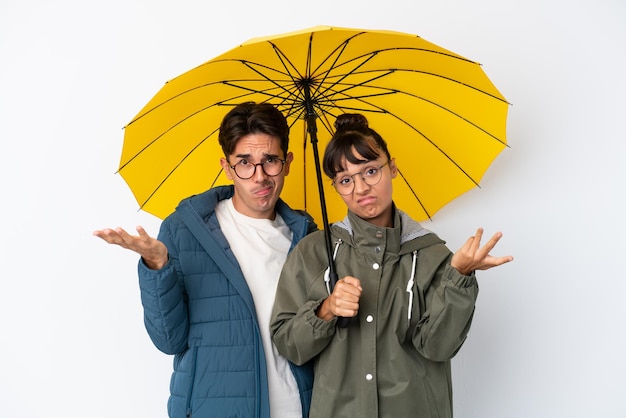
(442, 117)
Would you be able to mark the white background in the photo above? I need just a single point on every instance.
(548, 338)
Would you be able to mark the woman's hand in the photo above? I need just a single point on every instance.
(471, 257)
(344, 301)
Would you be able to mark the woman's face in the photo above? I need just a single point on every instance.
(370, 202)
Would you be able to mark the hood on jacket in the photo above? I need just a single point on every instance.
(413, 235)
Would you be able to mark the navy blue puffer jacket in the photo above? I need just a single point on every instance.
(199, 308)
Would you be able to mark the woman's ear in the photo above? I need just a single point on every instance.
(393, 168)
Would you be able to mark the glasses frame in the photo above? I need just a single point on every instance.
(380, 177)
(282, 167)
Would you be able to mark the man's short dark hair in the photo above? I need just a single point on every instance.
(252, 118)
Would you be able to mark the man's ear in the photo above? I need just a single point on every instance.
(226, 168)
(288, 161)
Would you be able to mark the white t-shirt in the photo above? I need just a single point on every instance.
(261, 247)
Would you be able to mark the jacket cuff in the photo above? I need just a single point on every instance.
(320, 327)
(458, 279)
(147, 271)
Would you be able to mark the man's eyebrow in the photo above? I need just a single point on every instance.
(247, 156)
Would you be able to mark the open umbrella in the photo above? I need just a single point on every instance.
(442, 117)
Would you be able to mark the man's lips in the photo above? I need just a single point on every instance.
(263, 191)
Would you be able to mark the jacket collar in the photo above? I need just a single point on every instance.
(410, 235)
(204, 204)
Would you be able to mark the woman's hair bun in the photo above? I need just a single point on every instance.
(351, 122)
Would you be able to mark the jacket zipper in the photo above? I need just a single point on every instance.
(192, 380)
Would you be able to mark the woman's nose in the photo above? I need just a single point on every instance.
(359, 183)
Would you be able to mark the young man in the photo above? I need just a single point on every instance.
(208, 281)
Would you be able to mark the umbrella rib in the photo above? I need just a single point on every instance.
(461, 117)
(404, 48)
(381, 110)
(360, 98)
(352, 86)
(332, 103)
(363, 98)
(458, 82)
(338, 51)
(172, 98)
(388, 71)
(414, 194)
(289, 95)
(309, 72)
(219, 173)
(283, 58)
(231, 99)
(147, 112)
(437, 147)
(182, 93)
(266, 92)
(163, 134)
(364, 58)
(156, 189)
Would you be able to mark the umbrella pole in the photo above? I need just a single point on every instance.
(312, 130)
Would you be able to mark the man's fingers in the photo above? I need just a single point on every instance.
(112, 236)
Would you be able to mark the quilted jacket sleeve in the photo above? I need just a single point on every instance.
(164, 300)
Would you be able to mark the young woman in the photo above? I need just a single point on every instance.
(409, 299)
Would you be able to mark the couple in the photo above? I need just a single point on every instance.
(250, 321)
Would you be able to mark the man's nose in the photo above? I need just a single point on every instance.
(259, 173)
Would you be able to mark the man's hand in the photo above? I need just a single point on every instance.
(153, 251)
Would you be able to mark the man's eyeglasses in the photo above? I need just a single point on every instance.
(271, 167)
(371, 175)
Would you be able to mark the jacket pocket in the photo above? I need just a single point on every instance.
(183, 381)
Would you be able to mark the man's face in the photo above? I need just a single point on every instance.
(256, 197)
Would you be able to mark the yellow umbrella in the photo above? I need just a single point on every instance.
(442, 117)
